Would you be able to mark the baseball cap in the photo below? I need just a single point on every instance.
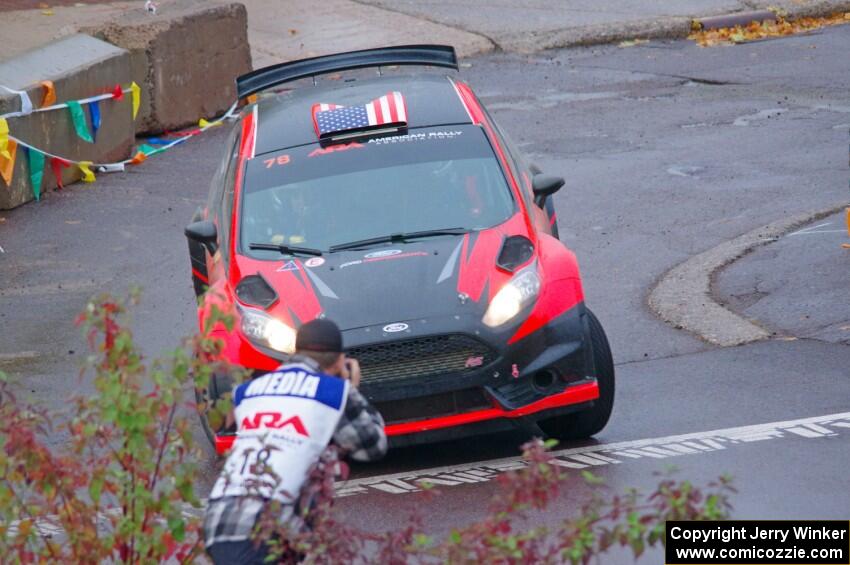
(319, 335)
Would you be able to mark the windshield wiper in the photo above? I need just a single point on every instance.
(286, 249)
(397, 238)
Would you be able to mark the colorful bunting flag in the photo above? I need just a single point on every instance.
(136, 92)
(138, 158)
(88, 175)
(79, 120)
(205, 124)
(147, 149)
(7, 162)
(4, 139)
(111, 168)
(35, 159)
(58, 164)
(94, 114)
(26, 103)
(49, 98)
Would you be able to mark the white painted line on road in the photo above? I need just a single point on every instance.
(815, 230)
(818, 231)
(810, 228)
(820, 429)
(594, 456)
(593, 459)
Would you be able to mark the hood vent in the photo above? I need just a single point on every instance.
(254, 290)
(516, 250)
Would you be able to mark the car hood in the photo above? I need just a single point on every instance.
(438, 276)
(389, 283)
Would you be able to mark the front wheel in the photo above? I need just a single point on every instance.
(586, 423)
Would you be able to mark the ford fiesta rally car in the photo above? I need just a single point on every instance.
(396, 207)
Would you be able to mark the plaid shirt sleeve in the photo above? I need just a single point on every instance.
(360, 433)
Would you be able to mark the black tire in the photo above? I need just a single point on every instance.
(582, 425)
(206, 398)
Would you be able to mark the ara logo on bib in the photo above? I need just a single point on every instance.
(274, 421)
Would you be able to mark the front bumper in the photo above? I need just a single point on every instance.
(547, 373)
(477, 422)
(496, 419)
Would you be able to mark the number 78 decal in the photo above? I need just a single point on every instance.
(279, 160)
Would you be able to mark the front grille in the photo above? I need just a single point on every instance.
(431, 406)
(421, 357)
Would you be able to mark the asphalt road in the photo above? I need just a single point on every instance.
(796, 286)
(668, 150)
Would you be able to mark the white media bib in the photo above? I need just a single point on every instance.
(285, 419)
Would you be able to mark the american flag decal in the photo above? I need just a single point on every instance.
(388, 110)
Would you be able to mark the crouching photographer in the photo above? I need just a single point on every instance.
(285, 420)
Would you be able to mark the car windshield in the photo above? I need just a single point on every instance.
(317, 197)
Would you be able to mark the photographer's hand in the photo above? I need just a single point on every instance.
(352, 369)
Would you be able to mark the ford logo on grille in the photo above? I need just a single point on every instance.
(397, 327)
(385, 253)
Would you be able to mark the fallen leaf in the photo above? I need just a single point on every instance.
(760, 30)
(47, 12)
(293, 31)
(845, 245)
(633, 42)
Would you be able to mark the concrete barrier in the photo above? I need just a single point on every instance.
(79, 66)
(185, 58)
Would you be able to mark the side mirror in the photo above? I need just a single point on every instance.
(205, 233)
(545, 186)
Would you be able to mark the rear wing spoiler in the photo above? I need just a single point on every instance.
(267, 77)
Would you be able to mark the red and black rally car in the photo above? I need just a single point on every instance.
(396, 207)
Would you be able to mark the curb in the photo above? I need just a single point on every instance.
(682, 297)
(670, 27)
(736, 19)
(678, 27)
(793, 9)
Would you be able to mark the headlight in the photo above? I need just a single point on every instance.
(267, 331)
(518, 293)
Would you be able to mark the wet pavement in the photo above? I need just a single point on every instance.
(796, 286)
